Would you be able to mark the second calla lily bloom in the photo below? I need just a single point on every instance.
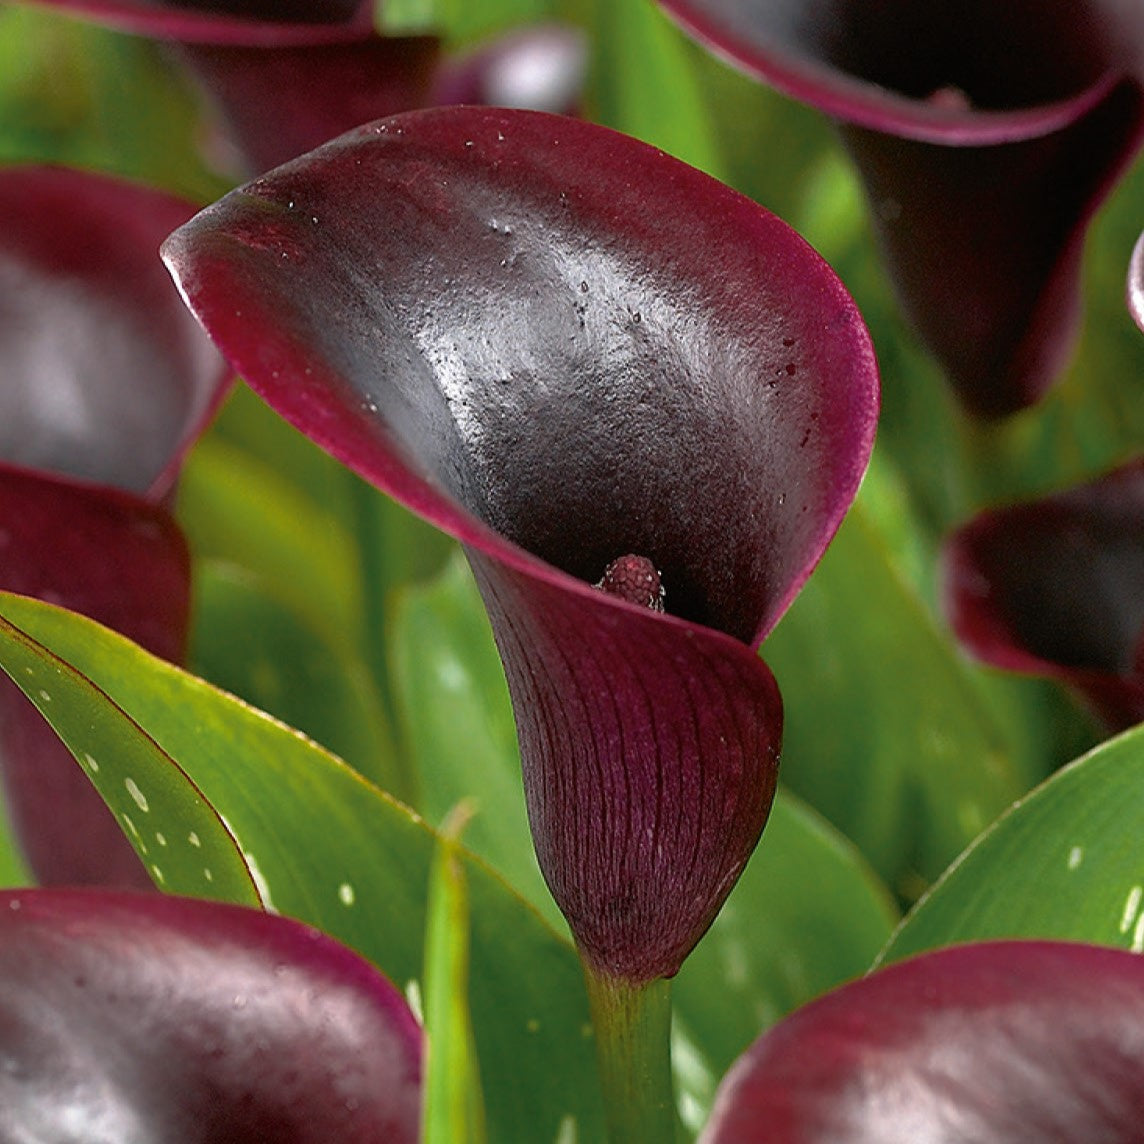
(566, 348)
(986, 136)
(1055, 587)
(106, 384)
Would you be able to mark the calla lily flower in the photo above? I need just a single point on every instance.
(106, 384)
(590, 364)
(147, 1017)
(285, 74)
(998, 1043)
(1055, 587)
(986, 141)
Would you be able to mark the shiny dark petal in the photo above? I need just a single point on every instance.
(151, 1018)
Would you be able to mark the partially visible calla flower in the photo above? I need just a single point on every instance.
(1055, 587)
(145, 1017)
(986, 142)
(567, 349)
(106, 384)
(286, 74)
(998, 1043)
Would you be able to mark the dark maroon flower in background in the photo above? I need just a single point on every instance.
(149, 1017)
(1055, 587)
(106, 383)
(986, 137)
(564, 347)
(286, 74)
(998, 1043)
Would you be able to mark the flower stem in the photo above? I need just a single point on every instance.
(633, 1048)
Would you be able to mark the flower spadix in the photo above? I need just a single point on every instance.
(986, 137)
(106, 384)
(564, 348)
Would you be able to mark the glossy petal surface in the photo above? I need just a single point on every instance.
(105, 378)
(986, 139)
(562, 347)
(143, 1018)
(253, 22)
(1002, 1043)
(106, 383)
(1056, 587)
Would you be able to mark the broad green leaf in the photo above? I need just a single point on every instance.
(453, 1108)
(185, 844)
(807, 914)
(13, 868)
(1067, 862)
(644, 82)
(886, 733)
(287, 668)
(271, 809)
(457, 721)
(237, 507)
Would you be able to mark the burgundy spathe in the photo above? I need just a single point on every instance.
(987, 136)
(1017, 1042)
(1055, 587)
(106, 385)
(562, 347)
(134, 1017)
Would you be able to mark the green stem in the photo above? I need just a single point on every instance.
(633, 1048)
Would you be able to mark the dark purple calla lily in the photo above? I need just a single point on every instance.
(986, 136)
(281, 102)
(1055, 587)
(286, 75)
(146, 1017)
(106, 384)
(563, 348)
(999, 1043)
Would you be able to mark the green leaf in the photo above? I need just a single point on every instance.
(887, 734)
(75, 93)
(13, 868)
(1066, 863)
(460, 21)
(234, 506)
(186, 845)
(270, 808)
(807, 914)
(457, 721)
(453, 1107)
(644, 82)
(285, 667)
